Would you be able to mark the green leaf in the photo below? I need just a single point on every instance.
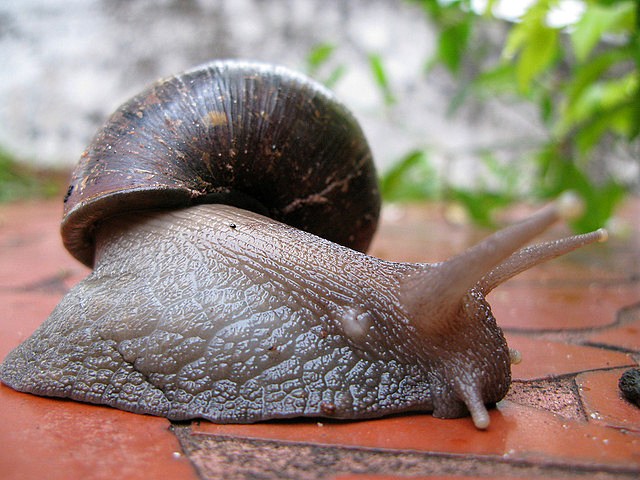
(520, 34)
(432, 8)
(546, 105)
(596, 21)
(599, 99)
(318, 56)
(534, 43)
(488, 9)
(453, 44)
(558, 174)
(501, 79)
(600, 202)
(537, 54)
(335, 76)
(413, 178)
(480, 205)
(634, 130)
(380, 76)
(18, 181)
(616, 120)
(515, 40)
(588, 73)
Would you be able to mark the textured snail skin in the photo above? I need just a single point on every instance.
(229, 318)
(234, 317)
(217, 312)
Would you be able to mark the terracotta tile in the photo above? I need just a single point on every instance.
(41, 214)
(419, 233)
(437, 477)
(604, 403)
(31, 251)
(516, 433)
(525, 306)
(58, 439)
(625, 336)
(546, 359)
(234, 457)
(557, 395)
(21, 314)
(72, 440)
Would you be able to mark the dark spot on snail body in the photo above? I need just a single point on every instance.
(286, 317)
(328, 408)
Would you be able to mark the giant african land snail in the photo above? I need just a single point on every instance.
(201, 306)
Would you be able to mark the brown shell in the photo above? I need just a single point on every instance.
(252, 135)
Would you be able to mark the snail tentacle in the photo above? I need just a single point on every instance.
(533, 255)
(446, 284)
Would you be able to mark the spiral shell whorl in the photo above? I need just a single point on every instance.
(247, 134)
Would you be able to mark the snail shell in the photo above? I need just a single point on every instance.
(197, 308)
(251, 135)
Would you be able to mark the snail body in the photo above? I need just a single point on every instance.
(211, 299)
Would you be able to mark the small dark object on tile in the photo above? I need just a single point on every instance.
(629, 385)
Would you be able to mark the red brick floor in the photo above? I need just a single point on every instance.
(576, 321)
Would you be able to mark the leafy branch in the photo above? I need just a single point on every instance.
(583, 78)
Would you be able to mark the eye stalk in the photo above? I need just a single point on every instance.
(488, 264)
(446, 304)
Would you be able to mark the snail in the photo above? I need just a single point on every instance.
(225, 212)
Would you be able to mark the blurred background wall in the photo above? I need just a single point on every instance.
(67, 64)
(481, 107)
